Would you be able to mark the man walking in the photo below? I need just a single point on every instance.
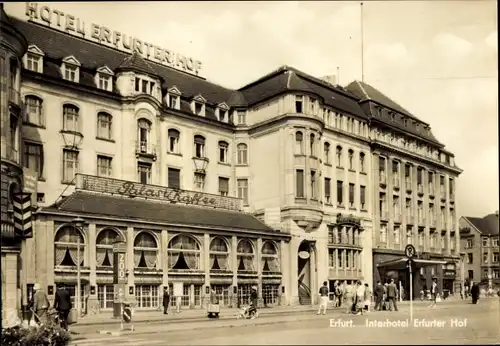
(379, 296)
(392, 293)
(349, 297)
(338, 295)
(62, 304)
(40, 304)
(323, 298)
(166, 301)
(434, 291)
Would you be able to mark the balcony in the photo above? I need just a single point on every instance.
(144, 149)
(408, 185)
(14, 96)
(9, 153)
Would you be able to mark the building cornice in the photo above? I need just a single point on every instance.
(379, 123)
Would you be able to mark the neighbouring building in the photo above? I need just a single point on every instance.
(414, 191)
(479, 240)
(295, 158)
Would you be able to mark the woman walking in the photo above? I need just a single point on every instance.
(368, 298)
(360, 298)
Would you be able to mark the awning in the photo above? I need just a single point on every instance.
(400, 263)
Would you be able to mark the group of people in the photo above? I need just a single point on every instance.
(39, 304)
(356, 298)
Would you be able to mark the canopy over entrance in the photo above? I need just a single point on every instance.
(400, 263)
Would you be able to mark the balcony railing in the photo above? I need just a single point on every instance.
(145, 148)
(14, 96)
(9, 152)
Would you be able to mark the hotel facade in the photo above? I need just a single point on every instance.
(276, 184)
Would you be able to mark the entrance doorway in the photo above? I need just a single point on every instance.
(304, 274)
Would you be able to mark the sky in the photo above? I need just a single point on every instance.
(437, 59)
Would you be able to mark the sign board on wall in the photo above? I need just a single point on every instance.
(178, 289)
(96, 33)
(160, 193)
(31, 185)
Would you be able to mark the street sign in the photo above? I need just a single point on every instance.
(127, 314)
(410, 251)
(119, 270)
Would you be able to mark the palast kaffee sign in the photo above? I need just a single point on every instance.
(68, 23)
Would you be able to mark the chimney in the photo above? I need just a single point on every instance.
(330, 79)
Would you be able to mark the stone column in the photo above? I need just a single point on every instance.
(91, 253)
(164, 257)
(130, 262)
(285, 273)
(206, 265)
(234, 266)
(259, 269)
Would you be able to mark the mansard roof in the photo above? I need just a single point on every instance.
(487, 225)
(137, 63)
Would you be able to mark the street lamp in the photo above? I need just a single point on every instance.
(78, 223)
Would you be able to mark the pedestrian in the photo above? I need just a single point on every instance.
(360, 298)
(368, 297)
(323, 298)
(40, 304)
(62, 304)
(166, 301)
(379, 296)
(213, 310)
(392, 293)
(254, 298)
(474, 292)
(434, 293)
(338, 294)
(349, 294)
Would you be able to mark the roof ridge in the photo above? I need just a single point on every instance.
(362, 89)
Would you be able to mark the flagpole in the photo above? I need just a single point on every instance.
(362, 48)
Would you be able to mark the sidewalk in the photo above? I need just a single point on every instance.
(200, 314)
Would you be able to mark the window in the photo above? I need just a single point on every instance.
(34, 110)
(469, 244)
(70, 118)
(174, 178)
(105, 295)
(328, 183)
(70, 165)
(470, 274)
(243, 190)
(299, 143)
(173, 141)
(420, 173)
(223, 151)
(451, 188)
(312, 105)
(350, 155)
(34, 62)
(485, 241)
(147, 296)
(362, 162)
(33, 157)
(66, 247)
(396, 206)
(104, 125)
(383, 233)
(242, 152)
(184, 253)
(145, 251)
(313, 185)
(494, 242)
(485, 257)
(339, 156)
(362, 197)
(223, 186)
(326, 151)
(496, 257)
(199, 146)
(340, 193)
(104, 82)
(70, 73)
(222, 115)
(245, 255)
(299, 100)
(270, 258)
(396, 232)
(199, 181)
(144, 128)
(432, 240)
(144, 173)
(198, 108)
(104, 168)
(312, 145)
(409, 235)
(382, 205)
(443, 242)
(241, 115)
(299, 186)
(351, 195)
(104, 247)
(173, 101)
(219, 254)
(421, 238)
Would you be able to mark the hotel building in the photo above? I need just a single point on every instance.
(285, 172)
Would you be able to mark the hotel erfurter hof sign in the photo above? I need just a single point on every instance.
(154, 192)
(97, 33)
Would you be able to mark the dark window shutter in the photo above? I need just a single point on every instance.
(174, 178)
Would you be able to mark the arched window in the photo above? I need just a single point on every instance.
(34, 110)
(219, 254)
(242, 154)
(362, 162)
(245, 255)
(66, 247)
(71, 116)
(270, 258)
(312, 144)
(173, 141)
(183, 253)
(145, 251)
(326, 149)
(144, 129)
(351, 158)
(104, 121)
(104, 247)
(339, 156)
(199, 146)
(223, 149)
(299, 143)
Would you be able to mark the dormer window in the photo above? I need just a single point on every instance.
(198, 105)
(241, 117)
(312, 105)
(222, 110)
(299, 100)
(71, 69)
(34, 59)
(104, 78)
(173, 98)
(144, 86)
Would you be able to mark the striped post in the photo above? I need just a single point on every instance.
(22, 214)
